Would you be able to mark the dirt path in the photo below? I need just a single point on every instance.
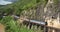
(2, 28)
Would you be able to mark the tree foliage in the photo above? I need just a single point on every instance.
(19, 6)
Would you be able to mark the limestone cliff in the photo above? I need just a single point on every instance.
(43, 10)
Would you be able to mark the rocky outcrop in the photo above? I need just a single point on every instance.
(41, 11)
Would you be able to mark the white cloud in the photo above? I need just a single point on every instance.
(2, 2)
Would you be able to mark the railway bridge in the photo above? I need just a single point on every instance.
(42, 24)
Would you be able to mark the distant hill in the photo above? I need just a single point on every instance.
(2, 5)
(11, 0)
(5, 2)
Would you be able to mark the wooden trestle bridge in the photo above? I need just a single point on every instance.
(42, 24)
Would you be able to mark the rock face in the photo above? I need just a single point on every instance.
(52, 15)
(50, 12)
(42, 11)
(35, 13)
(51, 9)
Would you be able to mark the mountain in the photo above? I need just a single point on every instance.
(3, 2)
(11, 0)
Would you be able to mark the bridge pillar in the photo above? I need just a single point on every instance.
(38, 26)
(32, 26)
(45, 29)
(51, 30)
(28, 25)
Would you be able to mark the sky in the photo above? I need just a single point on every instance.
(2, 2)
